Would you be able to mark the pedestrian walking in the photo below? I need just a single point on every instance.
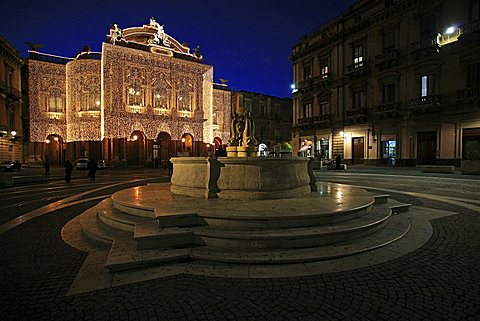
(170, 167)
(92, 169)
(338, 159)
(47, 166)
(68, 171)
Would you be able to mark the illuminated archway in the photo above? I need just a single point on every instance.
(136, 148)
(186, 144)
(163, 147)
(54, 150)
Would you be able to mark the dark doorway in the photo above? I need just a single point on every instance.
(136, 149)
(468, 135)
(357, 150)
(426, 148)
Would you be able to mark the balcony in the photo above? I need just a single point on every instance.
(425, 104)
(89, 113)
(357, 69)
(471, 32)
(323, 120)
(388, 59)
(425, 47)
(55, 115)
(304, 84)
(469, 93)
(468, 98)
(161, 111)
(387, 110)
(136, 109)
(185, 114)
(357, 116)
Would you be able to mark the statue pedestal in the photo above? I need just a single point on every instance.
(232, 151)
(247, 151)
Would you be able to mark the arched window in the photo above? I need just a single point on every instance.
(55, 101)
(160, 97)
(185, 98)
(135, 93)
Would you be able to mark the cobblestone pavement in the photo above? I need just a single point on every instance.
(440, 281)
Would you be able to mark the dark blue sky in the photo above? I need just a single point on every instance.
(247, 41)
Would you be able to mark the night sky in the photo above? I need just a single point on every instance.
(247, 41)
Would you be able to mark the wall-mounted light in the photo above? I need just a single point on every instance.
(183, 139)
(14, 133)
(293, 88)
(342, 133)
(55, 138)
(47, 141)
(450, 30)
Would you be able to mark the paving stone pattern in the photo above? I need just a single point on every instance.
(440, 281)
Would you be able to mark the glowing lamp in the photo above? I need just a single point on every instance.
(135, 137)
(183, 139)
(450, 30)
(14, 133)
(55, 139)
(208, 145)
(97, 103)
(342, 133)
(292, 86)
(47, 141)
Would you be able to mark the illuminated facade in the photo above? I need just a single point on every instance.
(145, 96)
(11, 133)
(393, 81)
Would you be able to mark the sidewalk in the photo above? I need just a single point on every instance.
(394, 170)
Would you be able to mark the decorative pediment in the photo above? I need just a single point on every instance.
(151, 36)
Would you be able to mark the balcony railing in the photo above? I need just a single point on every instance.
(89, 113)
(391, 107)
(387, 56)
(161, 111)
(136, 109)
(471, 27)
(429, 43)
(305, 83)
(359, 66)
(468, 93)
(305, 121)
(322, 119)
(356, 113)
(425, 101)
(55, 115)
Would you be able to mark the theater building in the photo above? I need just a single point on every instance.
(390, 82)
(144, 96)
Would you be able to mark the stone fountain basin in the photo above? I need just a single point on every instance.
(247, 178)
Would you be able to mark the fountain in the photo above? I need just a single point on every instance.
(240, 209)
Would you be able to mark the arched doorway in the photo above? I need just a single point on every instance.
(162, 148)
(218, 142)
(186, 145)
(136, 149)
(54, 149)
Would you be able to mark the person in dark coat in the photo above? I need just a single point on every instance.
(68, 171)
(92, 169)
(47, 166)
(170, 167)
(338, 159)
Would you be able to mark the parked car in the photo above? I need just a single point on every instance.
(10, 166)
(102, 164)
(82, 163)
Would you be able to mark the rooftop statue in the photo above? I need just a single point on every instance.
(160, 37)
(116, 34)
